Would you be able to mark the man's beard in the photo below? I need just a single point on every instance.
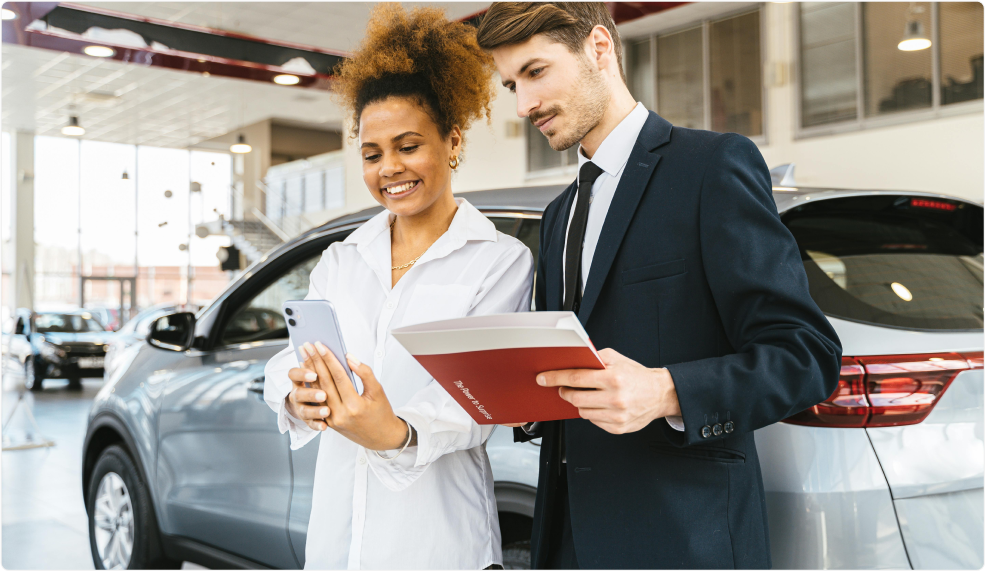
(588, 104)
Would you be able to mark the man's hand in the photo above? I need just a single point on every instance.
(624, 397)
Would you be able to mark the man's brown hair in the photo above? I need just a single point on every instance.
(567, 23)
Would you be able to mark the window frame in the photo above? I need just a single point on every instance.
(861, 121)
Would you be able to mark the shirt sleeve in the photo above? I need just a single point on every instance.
(442, 425)
(276, 384)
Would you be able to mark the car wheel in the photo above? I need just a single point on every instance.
(122, 530)
(75, 384)
(516, 555)
(32, 378)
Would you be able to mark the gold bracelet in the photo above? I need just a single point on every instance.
(410, 435)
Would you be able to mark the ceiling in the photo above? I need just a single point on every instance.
(129, 103)
(326, 25)
(125, 103)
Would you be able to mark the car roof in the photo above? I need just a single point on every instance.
(526, 198)
(536, 199)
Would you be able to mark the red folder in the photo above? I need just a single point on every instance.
(489, 363)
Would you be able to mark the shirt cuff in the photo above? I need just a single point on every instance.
(398, 473)
(676, 422)
(300, 432)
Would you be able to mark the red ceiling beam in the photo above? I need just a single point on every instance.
(15, 32)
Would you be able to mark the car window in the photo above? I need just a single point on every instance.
(892, 260)
(260, 318)
(66, 323)
(529, 234)
(505, 224)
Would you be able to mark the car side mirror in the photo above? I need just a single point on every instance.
(174, 332)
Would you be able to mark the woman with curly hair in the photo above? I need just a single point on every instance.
(402, 478)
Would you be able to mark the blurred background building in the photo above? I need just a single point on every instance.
(152, 150)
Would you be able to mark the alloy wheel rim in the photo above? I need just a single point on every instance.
(29, 373)
(113, 519)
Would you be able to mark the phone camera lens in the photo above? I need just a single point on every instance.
(289, 311)
(292, 322)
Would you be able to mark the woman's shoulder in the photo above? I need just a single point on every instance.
(506, 250)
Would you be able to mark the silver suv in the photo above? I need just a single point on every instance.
(183, 460)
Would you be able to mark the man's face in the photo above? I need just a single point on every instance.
(561, 93)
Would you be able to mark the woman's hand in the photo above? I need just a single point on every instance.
(367, 419)
(304, 403)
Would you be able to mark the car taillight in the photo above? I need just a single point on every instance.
(887, 390)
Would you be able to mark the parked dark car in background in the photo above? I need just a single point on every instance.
(57, 345)
(887, 473)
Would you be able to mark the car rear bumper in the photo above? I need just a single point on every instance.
(827, 500)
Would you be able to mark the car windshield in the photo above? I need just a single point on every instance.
(899, 261)
(66, 323)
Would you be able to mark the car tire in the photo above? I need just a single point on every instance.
(32, 378)
(516, 555)
(122, 528)
(75, 384)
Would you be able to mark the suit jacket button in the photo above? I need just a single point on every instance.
(729, 427)
(705, 431)
(717, 430)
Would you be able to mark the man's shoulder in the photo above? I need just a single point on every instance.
(705, 143)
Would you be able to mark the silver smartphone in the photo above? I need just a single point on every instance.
(314, 320)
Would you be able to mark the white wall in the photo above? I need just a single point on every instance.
(938, 155)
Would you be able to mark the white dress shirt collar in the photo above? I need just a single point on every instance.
(372, 239)
(613, 154)
(468, 224)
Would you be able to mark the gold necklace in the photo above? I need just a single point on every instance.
(410, 263)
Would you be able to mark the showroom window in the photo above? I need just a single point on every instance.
(541, 157)
(705, 76)
(872, 61)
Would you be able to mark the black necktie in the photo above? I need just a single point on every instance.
(576, 237)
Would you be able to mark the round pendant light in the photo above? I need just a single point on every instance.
(240, 147)
(914, 36)
(73, 129)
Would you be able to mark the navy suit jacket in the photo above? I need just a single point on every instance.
(695, 272)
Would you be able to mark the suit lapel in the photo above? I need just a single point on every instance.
(555, 265)
(632, 185)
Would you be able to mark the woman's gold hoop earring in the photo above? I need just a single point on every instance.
(453, 163)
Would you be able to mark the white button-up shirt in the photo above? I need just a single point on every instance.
(433, 506)
(611, 156)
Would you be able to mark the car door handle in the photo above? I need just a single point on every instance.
(256, 385)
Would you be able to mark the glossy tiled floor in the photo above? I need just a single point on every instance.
(44, 520)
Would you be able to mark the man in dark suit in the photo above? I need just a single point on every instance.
(670, 250)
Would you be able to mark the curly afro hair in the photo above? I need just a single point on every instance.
(421, 55)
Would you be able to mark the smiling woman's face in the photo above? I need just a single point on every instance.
(404, 157)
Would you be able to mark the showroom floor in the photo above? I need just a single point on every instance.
(44, 520)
